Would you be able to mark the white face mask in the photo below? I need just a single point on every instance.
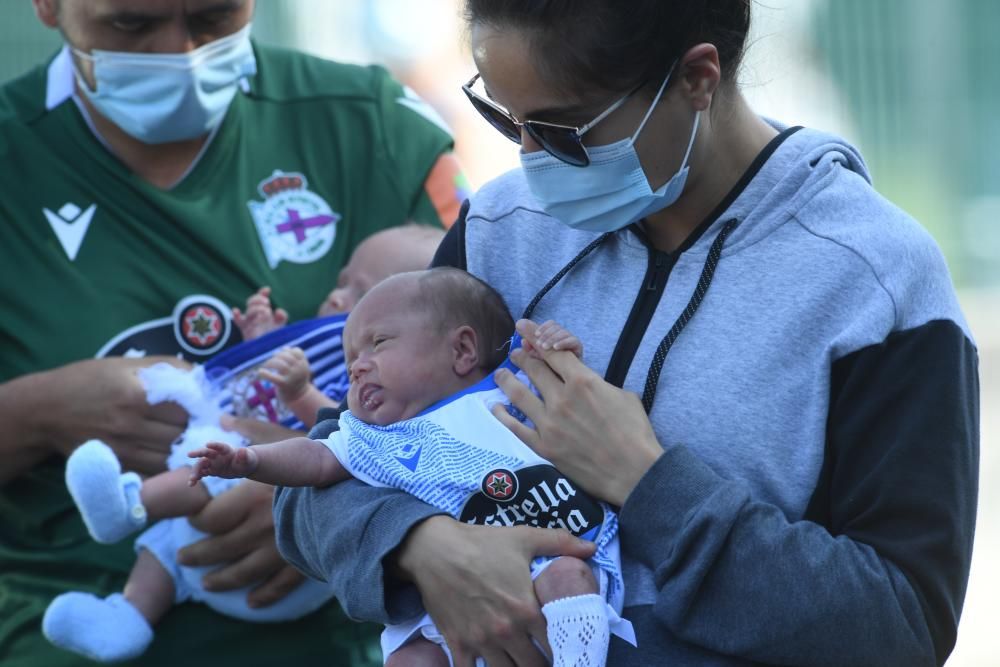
(611, 192)
(163, 97)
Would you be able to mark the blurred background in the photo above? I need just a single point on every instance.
(913, 83)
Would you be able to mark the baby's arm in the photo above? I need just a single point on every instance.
(288, 371)
(293, 462)
(550, 335)
(260, 317)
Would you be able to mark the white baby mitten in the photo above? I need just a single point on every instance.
(107, 499)
(578, 630)
(105, 630)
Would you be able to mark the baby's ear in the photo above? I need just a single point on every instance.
(465, 348)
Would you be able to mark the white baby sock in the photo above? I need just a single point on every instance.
(578, 630)
(105, 630)
(107, 499)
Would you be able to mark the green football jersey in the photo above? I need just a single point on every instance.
(311, 158)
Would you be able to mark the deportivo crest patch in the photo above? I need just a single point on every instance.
(294, 224)
(256, 398)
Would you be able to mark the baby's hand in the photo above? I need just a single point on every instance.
(260, 317)
(218, 459)
(288, 370)
(551, 336)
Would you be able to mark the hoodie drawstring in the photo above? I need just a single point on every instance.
(707, 273)
(660, 356)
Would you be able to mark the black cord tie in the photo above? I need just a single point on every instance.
(562, 272)
(707, 272)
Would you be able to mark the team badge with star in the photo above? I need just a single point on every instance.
(201, 324)
(500, 484)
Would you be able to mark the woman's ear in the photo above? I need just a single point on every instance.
(700, 74)
(465, 348)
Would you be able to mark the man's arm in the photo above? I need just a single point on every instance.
(23, 445)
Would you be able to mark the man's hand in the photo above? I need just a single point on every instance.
(242, 542)
(54, 411)
(475, 583)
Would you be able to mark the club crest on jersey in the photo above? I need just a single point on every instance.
(257, 398)
(500, 485)
(294, 224)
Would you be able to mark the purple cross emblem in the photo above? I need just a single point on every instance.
(298, 225)
(263, 397)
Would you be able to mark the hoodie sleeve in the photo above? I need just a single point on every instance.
(876, 572)
(342, 534)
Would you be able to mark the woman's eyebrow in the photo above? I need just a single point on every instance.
(564, 113)
(569, 110)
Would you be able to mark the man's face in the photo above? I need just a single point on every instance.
(147, 26)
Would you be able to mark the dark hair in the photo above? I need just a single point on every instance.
(456, 298)
(617, 45)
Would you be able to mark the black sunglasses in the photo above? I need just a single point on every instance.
(561, 141)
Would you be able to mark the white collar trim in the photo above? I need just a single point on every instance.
(59, 82)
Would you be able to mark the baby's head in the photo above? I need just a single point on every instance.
(419, 337)
(408, 247)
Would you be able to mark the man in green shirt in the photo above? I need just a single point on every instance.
(158, 169)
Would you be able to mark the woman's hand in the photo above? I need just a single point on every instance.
(475, 583)
(593, 432)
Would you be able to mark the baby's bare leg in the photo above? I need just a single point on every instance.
(565, 577)
(418, 653)
(168, 495)
(149, 587)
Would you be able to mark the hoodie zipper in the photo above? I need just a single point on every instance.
(658, 269)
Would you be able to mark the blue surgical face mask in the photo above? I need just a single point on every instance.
(163, 97)
(612, 191)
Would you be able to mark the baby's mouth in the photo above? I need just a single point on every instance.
(370, 396)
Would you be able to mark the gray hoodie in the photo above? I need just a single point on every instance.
(817, 401)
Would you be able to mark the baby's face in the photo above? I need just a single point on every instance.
(398, 360)
(352, 283)
(379, 256)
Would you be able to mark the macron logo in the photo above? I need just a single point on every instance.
(70, 225)
(410, 462)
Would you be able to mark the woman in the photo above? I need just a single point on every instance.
(797, 483)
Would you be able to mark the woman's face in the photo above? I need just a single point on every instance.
(513, 79)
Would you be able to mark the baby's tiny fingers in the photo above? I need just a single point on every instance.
(565, 341)
(271, 376)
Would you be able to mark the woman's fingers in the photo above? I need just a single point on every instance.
(520, 395)
(526, 435)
